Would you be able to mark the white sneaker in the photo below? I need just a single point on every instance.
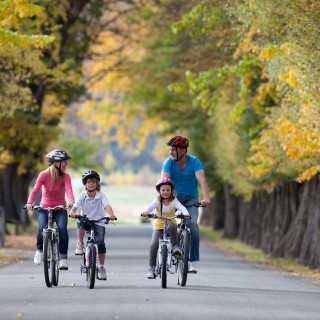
(38, 257)
(79, 249)
(63, 264)
(151, 272)
(102, 274)
(193, 267)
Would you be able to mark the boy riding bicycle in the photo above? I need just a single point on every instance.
(92, 203)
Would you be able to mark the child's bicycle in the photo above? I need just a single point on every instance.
(165, 260)
(90, 255)
(51, 244)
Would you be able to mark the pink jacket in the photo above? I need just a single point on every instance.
(55, 196)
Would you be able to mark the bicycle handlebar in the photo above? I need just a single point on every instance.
(59, 207)
(85, 218)
(198, 205)
(155, 216)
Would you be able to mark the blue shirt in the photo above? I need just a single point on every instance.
(185, 180)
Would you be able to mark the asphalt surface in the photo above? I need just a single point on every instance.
(226, 287)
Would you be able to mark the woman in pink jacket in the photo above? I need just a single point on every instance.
(55, 183)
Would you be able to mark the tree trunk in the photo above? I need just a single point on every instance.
(290, 244)
(9, 193)
(310, 243)
(2, 227)
(231, 228)
(218, 211)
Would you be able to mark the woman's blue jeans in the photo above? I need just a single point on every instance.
(193, 225)
(61, 218)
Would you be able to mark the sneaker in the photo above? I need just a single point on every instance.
(38, 257)
(63, 264)
(176, 251)
(193, 267)
(102, 274)
(151, 272)
(79, 249)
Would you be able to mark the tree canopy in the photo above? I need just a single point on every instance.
(239, 78)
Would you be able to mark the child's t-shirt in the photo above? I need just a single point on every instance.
(92, 208)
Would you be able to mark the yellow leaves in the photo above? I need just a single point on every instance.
(52, 109)
(290, 77)
(247, 45)
(298, 142)
(268, 53)
(265, 155)
(11, 11)
(6, 158)
(287, 144)
(308, 174)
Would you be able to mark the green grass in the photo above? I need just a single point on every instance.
(256, 255)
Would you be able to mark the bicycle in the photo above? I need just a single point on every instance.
(165, 260)
(51, 245)
(90, 255)
(183, 262)
(184, 242)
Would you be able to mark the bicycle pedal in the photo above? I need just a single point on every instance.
(83, 269)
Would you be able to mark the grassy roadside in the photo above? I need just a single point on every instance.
(258, 256)
(17, 244)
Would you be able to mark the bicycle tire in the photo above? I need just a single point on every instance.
(183, 263)
(47, 259)
(55, 261)
(91, 268)
(164, 257)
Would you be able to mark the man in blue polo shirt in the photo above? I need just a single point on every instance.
(187, 172)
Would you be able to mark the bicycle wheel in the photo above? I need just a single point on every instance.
(48, 266)
(55, 262)
(164, 257)
(184, 259)
(91, 268)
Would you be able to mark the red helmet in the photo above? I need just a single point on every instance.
(178, 141)
(164, 181)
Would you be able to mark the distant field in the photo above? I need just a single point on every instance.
(129, 201)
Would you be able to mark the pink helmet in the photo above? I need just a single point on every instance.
(163, 181)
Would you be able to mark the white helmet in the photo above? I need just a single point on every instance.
(57, 155)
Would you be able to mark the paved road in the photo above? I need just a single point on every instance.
(225, 288)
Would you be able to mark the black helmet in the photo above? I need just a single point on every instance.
(57, 155)
(90, 174)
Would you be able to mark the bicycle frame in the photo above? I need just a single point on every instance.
(51, 247)
(165, 240)
(90, 256)
(164, 250)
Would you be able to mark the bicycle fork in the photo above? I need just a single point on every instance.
(166, 243)
(84, 267)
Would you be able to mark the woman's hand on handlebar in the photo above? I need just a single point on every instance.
(144, 214)
(113, 217)
(28, 206)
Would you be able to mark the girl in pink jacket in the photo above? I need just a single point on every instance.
(55, 183)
